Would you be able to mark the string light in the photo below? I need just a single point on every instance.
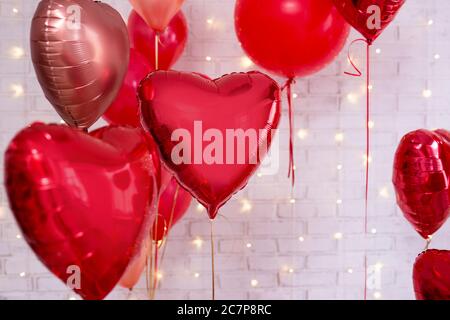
(367, 159)
(198, 242)
(248, 245)
(254, 283)
(371, 124)
(302, 134)
(210, 21)
(378, 266)
(19, 236)
(15, 10)
(338, 235)
(291, 270)
(377, 295)
(246, 206)
(352, 98)
(200, 208)
(246, 62)
(350, 270)
(339, 137)
(426, 93)
(72, 298)
(292, 201)
(17, 90)
(430, 22)
(208, 58)
(2, 212)
(437, 56)
(197, 275)
(339, 167)
(295, 95)
(22, 274)
(159, 275)
(301, 239)
(384, 192)
(373, 231)
(16, 52)
(378, 51)
(339, 201)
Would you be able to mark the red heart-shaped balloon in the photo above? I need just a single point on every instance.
(195, 121)
(431, 275)
(83, 201)
(421, 179)
(369, 17)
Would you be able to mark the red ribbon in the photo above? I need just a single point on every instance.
(366, 195)
(288, 86)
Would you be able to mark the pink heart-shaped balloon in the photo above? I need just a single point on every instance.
(80, 52)
(157, 13)
(369, 17)
(83, 201)
(201, 127)
(421, 179)
(431, 275)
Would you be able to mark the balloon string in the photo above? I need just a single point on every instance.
(213, 275)
(367, 155)
(291, 170)
(428, 242)
(157, 51)
(172, 213)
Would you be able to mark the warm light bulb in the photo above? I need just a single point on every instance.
(339, 201)
(302, 134)
(198, 242)
(22, 274)
(301, 239)
(248, 245)
(384, 192)
(17, 90)
(373, 231)
(430, 22)
(338, 235)
(339, 167)
(295, 95)
(18, 236)
(350, 270)
(200, 207)
(246, 206)
(208, 58)
(378, 50)
(352, 98)
(292, 201)
(15, 10)
(426, 93)
(371, 124)
(16, 52)
(246, 62)
(197, 275)
(339, 137)
(377, 295)
(437, 56)
(254, 283)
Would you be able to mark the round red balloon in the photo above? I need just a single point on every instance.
(125, 108)
(431, 275)
(292, 38)
(172, 40)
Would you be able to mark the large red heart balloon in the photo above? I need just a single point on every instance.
(83, 201)
(421, 179)
(80, 51)
(195, 122)
(431, 275)
(172, 41)
(369, 17)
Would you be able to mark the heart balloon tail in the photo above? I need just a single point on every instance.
(358, 73)
(213, 267)
(291, 170)
(156, 274)
(428, 242)
(157, 51)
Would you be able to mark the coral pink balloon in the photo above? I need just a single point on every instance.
(157, 13)
(83, 201)
(421, 178)
(80, 52)
(431, 275)
(172, 41)
(189, 106)
(291, 38)
(125, 108)
(362, 15)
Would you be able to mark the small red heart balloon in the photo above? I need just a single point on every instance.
(421, 179)
(369, 17)
(172, 41)
(83, 201)
(157, 13)
(431, 275)
(212, 134)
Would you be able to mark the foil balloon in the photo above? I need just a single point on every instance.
(431, 275)
(291, 38)
(80, 52)
(172, 41)
(83, 202)
(212, 134)
(369, 17)
(125, 108)
(421, 179)
(173, 204)
(157, 13)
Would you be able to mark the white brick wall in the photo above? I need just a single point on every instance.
(319, 267)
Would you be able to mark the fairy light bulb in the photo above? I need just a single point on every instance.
(373, 231)
(246, 206)
(427, 93)
(22, 274)
(301, 239)
(196, 275)
(159, 275)
(430, 22)
(295, 95)
(16, 52)
(384, 192)
(248, 245)
(339, 167)
(339, 201)
(350, 270)
(198, 242)
(246, 62)
(17, 90)
(208, 58)
(371, 124)
(18, 236)
(352, 98)
(210, 21)
(338, 235)
(339, 137)
(377, 295)
(254, 283)
(15, 10)
(437, 56)
(292, 201)
(200, 208)
(302, 134)
(377, 50)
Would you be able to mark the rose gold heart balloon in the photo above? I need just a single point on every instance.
(80, 51)
(157, 13)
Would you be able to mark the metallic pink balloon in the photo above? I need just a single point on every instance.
(431, 275)
(197, 122)
(157, 13)
(421, 179)
(83, 201)
(80, 52)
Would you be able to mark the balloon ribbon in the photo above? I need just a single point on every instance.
(367, 155)
(213, 275)
(288, 87)
(157, 51)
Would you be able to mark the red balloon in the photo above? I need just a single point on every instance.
(82, 201)
(421, 179)
(125, 108)
(173, 203)
(431, 275)
(172, 40)
(369, 17)
(194, 121)
(292, 38)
